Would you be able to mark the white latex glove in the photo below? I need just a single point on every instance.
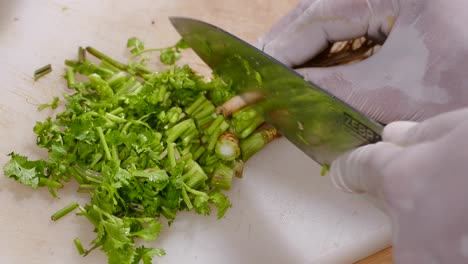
(420, 174)
(418, 73)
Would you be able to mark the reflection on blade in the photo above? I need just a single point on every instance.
(318, 123)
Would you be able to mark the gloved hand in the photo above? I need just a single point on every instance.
(419, 173)
(419, 72)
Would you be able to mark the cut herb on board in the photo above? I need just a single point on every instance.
(144, 145)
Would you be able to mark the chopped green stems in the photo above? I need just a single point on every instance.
(163, 154)
(76, 175)
(104, 143)
(50, 183)
(251, 128)
(227, 147)
(257, 141)
(146, 51)
(96, 159)
(106, 58)
(86, 188)
(195, 105)
(81, 54)
(194, 174)
(71, 63)
(53, 104)
(115, 118)
(211, 160)
(115, 154)
(79, 246)
(70, 77)
(92, 179)
(88, 174)
(204, 121)
(186, 199)
(171, 154)
(117, 79)
(106, 65)
(117, 111)
(210, 109)
(187, 139)
(211, 129)
(179, 129)
(194, 192)
(142, 69)
(238, 168)
(200, 150)
(185, 157)
(52, 192)
(64, 211)
(201, 107)
(216, 134)
(42, 71)
(127, 86)
(222, 177)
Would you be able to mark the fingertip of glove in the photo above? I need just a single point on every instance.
(398, 132)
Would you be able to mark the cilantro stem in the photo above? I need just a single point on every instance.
(70, 77)
(195, 105)
(211, 129)
(115, 118)
(179, 129)
(204, 121)
(205, 104)
(81, 54)
(79, 246)
(49, 183)
(117, 111)
(227, 147)
(222, 177)
(216, 134)
(42, 71)
(76, 175)
(142, 69)
(136, 55)
(200, 150)
(210, 109)
(106, 58)
(106, 65)
(64, 211)
(117, 79)
(104, 143)
(251, 128)
(186, 199)
(257, 141)
(171, 154)
(91, 179)
(86, 188)
(194, 192)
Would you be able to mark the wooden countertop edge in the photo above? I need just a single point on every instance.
(381, 257)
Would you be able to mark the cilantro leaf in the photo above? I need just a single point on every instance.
(169, 56)
(221, 202)
(135, 45)
(23, 170)
(146, 254)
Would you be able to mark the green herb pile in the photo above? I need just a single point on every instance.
(144, 144)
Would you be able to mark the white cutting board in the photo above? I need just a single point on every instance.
(283, 210)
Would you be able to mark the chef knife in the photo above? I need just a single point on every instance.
(317, 122)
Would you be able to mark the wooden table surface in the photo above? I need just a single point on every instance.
(382, 257)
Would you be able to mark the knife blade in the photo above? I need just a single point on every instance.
(315, 121)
